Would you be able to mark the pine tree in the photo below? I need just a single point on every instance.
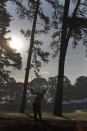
(35, 52)
(8, 56)
(72, 26)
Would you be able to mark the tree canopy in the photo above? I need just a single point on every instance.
(39, 55)
(77, 24)
(8, 56)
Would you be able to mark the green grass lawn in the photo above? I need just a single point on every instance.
(72, 116)
(78, 115)
(18, 121)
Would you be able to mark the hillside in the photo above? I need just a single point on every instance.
(21, 122)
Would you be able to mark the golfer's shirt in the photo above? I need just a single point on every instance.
(38, 98)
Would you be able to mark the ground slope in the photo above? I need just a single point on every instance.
(22, 122)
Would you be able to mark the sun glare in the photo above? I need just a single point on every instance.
(16, 43)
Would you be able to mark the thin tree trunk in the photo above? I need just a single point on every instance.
(59, 92)
(29, 58)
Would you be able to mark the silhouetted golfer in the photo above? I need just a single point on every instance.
(37, 103)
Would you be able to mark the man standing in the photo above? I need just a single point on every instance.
(37, 103)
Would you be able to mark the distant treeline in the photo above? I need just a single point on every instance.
(12, 92)
(78, 90)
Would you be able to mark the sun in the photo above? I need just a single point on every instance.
(16, 43)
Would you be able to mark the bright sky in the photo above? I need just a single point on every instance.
(76, 62)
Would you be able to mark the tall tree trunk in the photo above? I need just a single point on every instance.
(64, 44)
(29, 58)
(63, 48)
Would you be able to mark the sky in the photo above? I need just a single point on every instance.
(76, 62)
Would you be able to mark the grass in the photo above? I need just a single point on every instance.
(14, 115)
(18, 121)
(78, 115)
